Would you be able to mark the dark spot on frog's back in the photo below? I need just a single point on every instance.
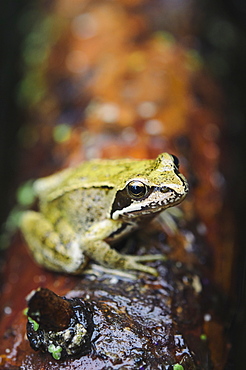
(121, 201)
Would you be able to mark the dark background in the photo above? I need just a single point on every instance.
(10, 120)
(231, 76)
(223, 45)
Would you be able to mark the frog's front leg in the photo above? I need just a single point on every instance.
(56, 250)
(99, 250)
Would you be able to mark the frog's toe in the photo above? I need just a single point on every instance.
(147, 269)
(150, 257)
(133, 264)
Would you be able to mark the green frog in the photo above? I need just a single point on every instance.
(84, 210)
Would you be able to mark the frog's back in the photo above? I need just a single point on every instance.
(107, 172)
(94, 173)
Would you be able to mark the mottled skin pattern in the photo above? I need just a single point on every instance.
(84, 209)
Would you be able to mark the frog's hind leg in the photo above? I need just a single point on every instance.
(46, 245)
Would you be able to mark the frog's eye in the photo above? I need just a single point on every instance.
(136, 189)
(175, 160)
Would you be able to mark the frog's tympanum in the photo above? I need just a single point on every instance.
(83, 210)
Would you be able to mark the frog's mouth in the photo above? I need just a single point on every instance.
(157, 200)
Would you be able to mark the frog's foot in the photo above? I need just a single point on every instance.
(99, 271)
(101, 252)
(133, 262)
(132, 265)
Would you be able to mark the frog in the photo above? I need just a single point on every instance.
(83, 211)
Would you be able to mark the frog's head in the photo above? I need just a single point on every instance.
(154, 186)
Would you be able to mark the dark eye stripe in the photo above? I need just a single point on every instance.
(122, 200)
